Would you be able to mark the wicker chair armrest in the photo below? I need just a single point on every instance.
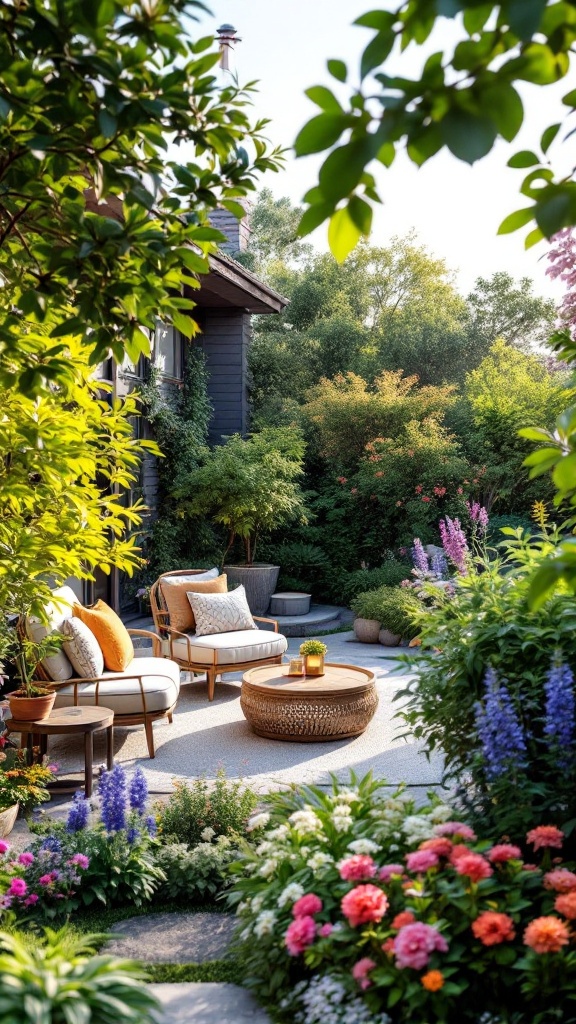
(259, 618)
(150, 635)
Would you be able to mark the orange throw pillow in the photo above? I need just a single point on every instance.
(110, 632)
(174, 590)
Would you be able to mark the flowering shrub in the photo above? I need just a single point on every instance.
(118, 840)
(223, 806)
(43, 883)
(455, 930)
(22, 783)
(197, 873)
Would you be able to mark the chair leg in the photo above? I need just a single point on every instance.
(211, 678)
(149, 736)
(169, 716)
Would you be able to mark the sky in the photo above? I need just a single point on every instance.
(454, 209)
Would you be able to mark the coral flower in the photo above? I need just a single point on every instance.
(414, 944)
(357, 868)
(405, 917)
(474, 866)
(300, 934)
(545, 836)
(456, 828)
(459, 851)
(560, 880)
(493, 928)
(439, 846)
(422, 860)
(307, 905)
(504, 852)
(364, 903)
(361, 969)
(432, 981)
(546, 935)
(388, 946)
(386, 873)
(565, 904)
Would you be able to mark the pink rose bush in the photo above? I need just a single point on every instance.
(406, 914)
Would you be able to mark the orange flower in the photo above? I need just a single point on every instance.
(493, 928)
(432, 981)
(566, 905)
(546, 935)
(545, 836)
(404, 917)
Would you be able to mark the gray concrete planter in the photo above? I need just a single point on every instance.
(389, 639)
(367, 630)
(259, 581)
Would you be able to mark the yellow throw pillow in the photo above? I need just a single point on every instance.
(174, 590)
(110, 632)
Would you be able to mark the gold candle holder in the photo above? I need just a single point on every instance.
(314, 664)
(296, 666)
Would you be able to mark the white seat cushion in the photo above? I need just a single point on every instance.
(160, 679)
(234, 648)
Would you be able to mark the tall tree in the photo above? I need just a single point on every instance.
(500, 307)
(274, 233)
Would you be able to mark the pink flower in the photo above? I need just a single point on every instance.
(414, 944)
(31, 900)
(456, 828)
(504, 852)
(53, 768)
(364, 903)
(545, 836)
(361, 970)
(422, 860)
(18, 887)
(441, 847)
(81, 860)
(402, 919)
(45, 880)
(307, 905)
(474, 866)
(4, 847)
(357, 868)
(325, 930)
(386, 873)
(353, 490)
(26, 858)
(460, 850)
(300, 934)
(560, 880)
(425, 497)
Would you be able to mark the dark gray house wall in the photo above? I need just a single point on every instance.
(225, 340)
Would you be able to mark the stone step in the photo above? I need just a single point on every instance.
(320, 618)
(207, 1002)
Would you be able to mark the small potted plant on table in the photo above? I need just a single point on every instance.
(313, 652)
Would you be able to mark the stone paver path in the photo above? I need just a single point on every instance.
(207, 1003)
(173, 938)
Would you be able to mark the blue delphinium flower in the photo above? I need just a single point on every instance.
(132, 835)
(419, 556)
(439, 565)
(78, 813)
(138, 791)
(151, 825)
(499, 731)
(560, 712)
(112, 789)
(51, 844)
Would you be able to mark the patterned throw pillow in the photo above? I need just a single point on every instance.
(83, 649)
(174, 590)
(221, 613)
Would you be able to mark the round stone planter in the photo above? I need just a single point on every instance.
(8, 817)
(367, 630)
(388, 639)
(290, 603)
(259, 581)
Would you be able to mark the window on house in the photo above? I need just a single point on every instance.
(168, 351)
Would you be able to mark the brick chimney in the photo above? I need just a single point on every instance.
(237, 231)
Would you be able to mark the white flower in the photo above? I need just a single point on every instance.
(304, 851)
(263, 848)
(341, 823)
(393, 847)
(319, 860)
(246, 933)
(346, 795)
(268, 868)
(279, 833)
(257, 903)
(258, 821)
(363, 846)
(264, 924)
(305, 821)
(441, 813)
(290, 894)
(342, 810)
(207, 834)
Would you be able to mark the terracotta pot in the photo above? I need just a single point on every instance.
(367, 630)
(8, 819)
(389, 639)
(31, 709)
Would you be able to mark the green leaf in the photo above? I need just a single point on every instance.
(555, 213)
(548, 136)
(324, 98)
(338, 70)
(313, 217)
(468, 137)
(476, 17)
(207, 234)
(184, 324)
(379, 20)
(376, 52)
(320, 133)
(343, 234)
(525, 158)
(564, 474)
(533, 238)
(524, 16)
(535, 434)
(516, 220)
(386, 154)
(108, 123)
(342, 170)
(505, 109)
(361, 214)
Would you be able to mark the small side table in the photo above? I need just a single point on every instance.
(70, 721)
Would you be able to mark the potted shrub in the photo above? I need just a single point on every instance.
(392, 609)
(366, 608)
(32, 701)
(22, 787)
(313, 652)
(250, 487)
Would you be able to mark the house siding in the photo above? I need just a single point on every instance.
(225, 340)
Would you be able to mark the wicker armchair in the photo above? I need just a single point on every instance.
(218, 653)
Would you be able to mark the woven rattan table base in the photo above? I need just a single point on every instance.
(336, 706)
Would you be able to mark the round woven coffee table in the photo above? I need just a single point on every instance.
(315, 709)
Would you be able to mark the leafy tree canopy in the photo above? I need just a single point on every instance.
(464, 100)
(500, 307)
(91, 95)
(273, 233)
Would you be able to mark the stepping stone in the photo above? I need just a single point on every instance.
(173, 938)
(207, 1002)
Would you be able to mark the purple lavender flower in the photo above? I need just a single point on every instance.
(454, 543)
(51, 844)
(499, 731)
(78, 814)
(560, 712)
(419, 556)
(479, 517)
(112, 789)
(138, 791)
(151, 825)
(439, 565)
